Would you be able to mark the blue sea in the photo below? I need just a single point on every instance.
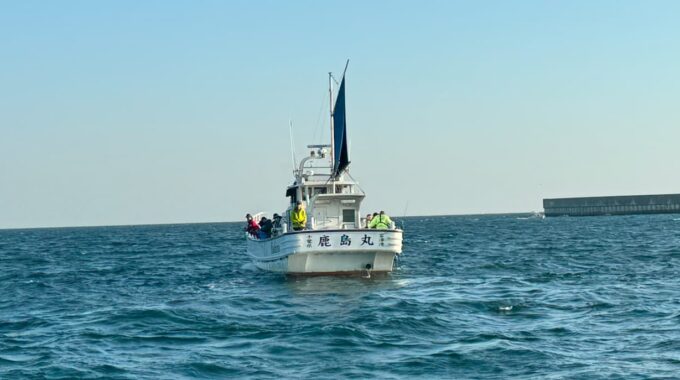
(472, 297)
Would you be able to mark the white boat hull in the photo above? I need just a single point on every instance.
(327, 251)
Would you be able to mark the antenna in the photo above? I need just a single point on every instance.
(292, 145)
(330, 94)
(402, 220)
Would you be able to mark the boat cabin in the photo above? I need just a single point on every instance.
(331, 203)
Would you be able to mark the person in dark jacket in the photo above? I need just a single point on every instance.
(265, 228)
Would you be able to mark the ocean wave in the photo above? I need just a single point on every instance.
(480, 297)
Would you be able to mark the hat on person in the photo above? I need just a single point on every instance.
(276, 216)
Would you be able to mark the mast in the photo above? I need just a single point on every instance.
(330, 108)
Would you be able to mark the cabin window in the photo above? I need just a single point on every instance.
(348, 216)
(319, 190)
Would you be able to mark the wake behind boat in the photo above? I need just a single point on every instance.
(328, 236)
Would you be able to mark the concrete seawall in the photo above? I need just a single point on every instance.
(614, 205)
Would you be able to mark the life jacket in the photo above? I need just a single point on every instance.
(299, 218)
(381, 222)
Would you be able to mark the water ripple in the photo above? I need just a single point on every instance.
(473, 297)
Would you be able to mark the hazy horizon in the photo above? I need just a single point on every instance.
(243, 221)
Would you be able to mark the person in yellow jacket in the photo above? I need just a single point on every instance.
(298, 217)
(381, 221)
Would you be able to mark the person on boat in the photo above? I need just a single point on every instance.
(276, 230)
(375, 215)
(298, 217)
(381, 222)
(252, 227)
(266, 226)
(368, 220)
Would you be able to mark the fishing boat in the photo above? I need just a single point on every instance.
(335, 239)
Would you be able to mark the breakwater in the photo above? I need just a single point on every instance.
(613, 205)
